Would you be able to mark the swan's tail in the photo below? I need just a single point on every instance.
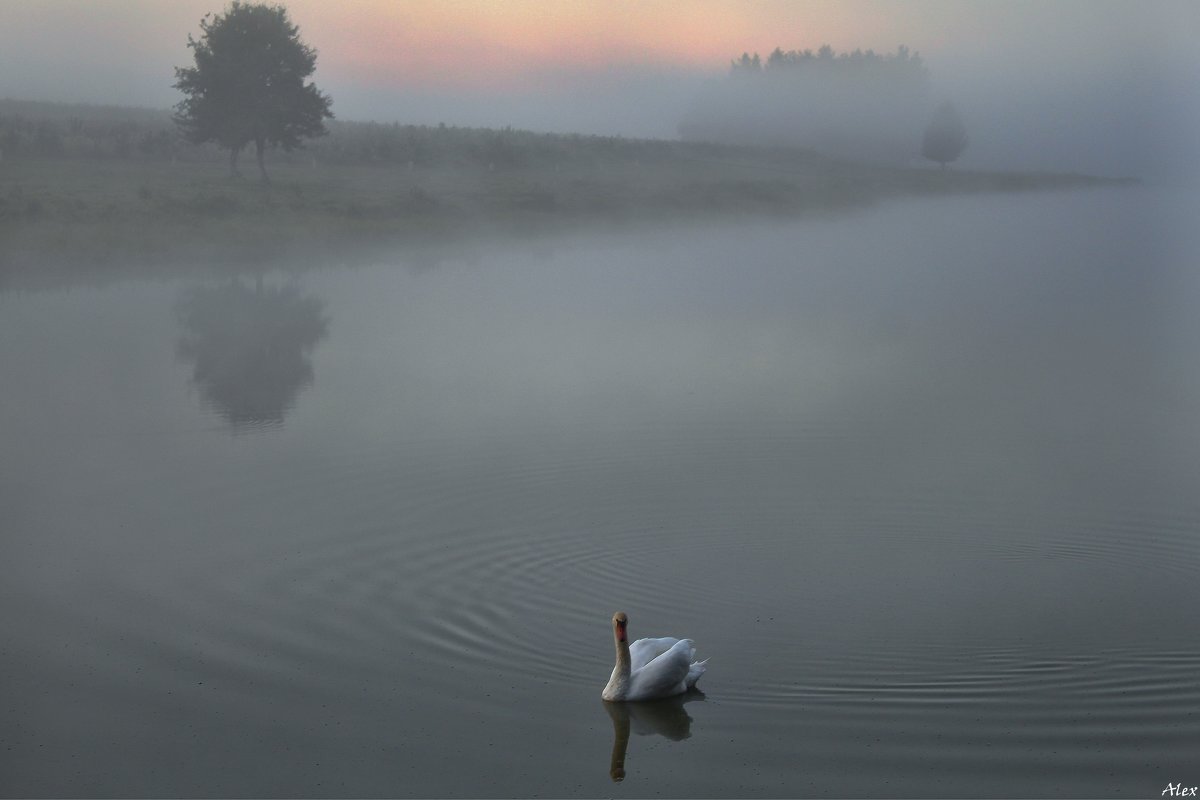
(694, 673)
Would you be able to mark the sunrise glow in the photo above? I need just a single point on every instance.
(616, 66)
(489, 44)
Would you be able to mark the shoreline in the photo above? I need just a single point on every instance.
(89, 217)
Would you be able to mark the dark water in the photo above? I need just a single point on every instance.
(920, 481)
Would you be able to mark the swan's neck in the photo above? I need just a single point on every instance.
(618, 684)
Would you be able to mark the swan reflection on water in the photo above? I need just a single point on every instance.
(666, 718)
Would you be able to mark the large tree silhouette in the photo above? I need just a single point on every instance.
(248, 84)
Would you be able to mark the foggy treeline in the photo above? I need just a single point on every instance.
(35, 129)
(861, 105)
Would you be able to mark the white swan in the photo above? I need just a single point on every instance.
(651, 668)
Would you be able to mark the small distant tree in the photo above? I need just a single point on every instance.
(945, 137)
(248, 84)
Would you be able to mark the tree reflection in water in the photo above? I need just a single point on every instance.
(250, 348)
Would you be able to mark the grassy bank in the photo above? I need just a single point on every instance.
(82, 211)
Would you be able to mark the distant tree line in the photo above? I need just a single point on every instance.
(29, 129)
(862, 104)
(50, 130)
(45, 130)
(903, 66)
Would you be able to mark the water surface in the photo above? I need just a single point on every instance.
(921, 481)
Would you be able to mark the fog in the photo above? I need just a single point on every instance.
(1135, 110)
(322, 475)
(1107, 88)
(907, 473)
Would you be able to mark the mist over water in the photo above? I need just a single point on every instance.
(919, 479)
(324, 479)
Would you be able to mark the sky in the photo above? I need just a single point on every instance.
(618, 66)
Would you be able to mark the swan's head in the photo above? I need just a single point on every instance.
(619, 621)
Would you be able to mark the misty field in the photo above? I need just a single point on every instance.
(122, 192)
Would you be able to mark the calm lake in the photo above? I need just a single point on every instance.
(922, 481)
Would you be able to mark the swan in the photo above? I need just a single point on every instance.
(651, 668)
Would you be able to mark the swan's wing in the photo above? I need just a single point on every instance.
(661, 717)
(664, 675)
(643, 651)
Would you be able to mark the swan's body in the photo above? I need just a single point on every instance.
(651, 668)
